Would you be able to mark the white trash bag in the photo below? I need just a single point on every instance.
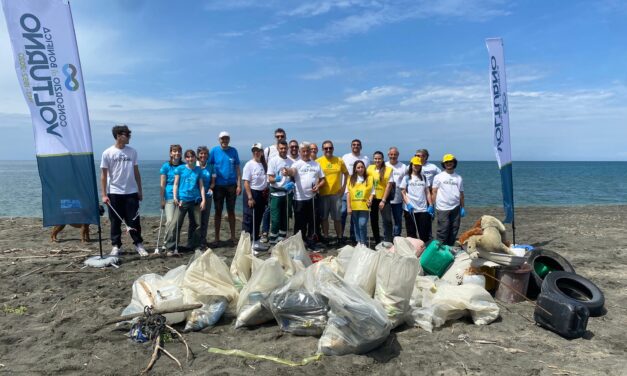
(344, 256)
(160, 292)
(452, 302)
(242, 263)
(292, 254)
(250, 306)
(357, 323)
(362, 269)
(396, 276)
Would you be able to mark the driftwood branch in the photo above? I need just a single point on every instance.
(183, 308)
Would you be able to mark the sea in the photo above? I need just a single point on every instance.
(535, 184)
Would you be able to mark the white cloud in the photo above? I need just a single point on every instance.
(376, 93)
(322, 72)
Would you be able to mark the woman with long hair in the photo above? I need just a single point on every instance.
(417, 204)
(382, 189)
(359, 199)
(167, 185)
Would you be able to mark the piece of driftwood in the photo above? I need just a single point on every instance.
(183, 308)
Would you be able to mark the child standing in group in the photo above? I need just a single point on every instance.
(417, 202)
(448, 195)
(358, 201)
(189, 197)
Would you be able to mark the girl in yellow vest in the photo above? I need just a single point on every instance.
(359, 198)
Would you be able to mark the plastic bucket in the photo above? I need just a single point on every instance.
(436, 258)
(513, 281)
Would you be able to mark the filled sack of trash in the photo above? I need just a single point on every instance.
(357, 323)
(362, 269)
(455, 273)
(242, 263)
(160, 292)
(292, 254)
(344, 256)
(264, 280)
(297, 307)
(450, 302)
(206, 278)
(396, 276)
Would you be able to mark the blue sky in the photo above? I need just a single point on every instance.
(407, 73)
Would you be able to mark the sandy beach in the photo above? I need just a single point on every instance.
(59, 331)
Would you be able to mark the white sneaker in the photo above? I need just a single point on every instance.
(139, 247)
(116, 251)
(172, 253)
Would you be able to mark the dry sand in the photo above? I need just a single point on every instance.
(59, 332)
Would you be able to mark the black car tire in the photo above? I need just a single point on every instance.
(553, 260)
(577, 288)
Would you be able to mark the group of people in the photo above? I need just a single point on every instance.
(283, 181)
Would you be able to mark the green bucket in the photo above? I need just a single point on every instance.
(436, 258)
(541, 269)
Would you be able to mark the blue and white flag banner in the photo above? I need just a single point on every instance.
(500, 125)
(49, 73)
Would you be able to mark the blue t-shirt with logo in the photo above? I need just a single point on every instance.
(168, 170)
(188, 183)
(207, 172)
(225, 164)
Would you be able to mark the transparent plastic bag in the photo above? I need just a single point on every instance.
(298, 307)
(396, 276)
(250, 306)
(362, 269)
(206, 316)
(451, 302)
(344, 256)
(357, 323)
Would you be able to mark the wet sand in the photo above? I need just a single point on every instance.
(58, 332)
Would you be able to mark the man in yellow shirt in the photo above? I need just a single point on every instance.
(331, 193)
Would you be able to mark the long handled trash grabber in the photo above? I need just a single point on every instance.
(415, 223)
(159, 233)
(178, 230)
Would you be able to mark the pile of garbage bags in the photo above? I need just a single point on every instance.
(351, 301)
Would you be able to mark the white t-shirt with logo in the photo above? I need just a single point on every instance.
(430, 171)
(398, 171)
(415, 188)
(274, 169)
(307, 174)
(449, 188)
(120, 164)
(255, 175)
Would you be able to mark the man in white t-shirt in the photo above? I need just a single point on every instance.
(292, 151)
(308, 178)
(349, 160)
(281, 188)
(269, 153)
(399, 170)
(448, 195)
(121, 187)
(429, 170)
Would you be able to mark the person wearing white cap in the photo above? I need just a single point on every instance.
(255, 184)
(448, 195)
(225, 183)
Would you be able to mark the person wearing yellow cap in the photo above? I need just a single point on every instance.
(448, 195)
(417, 202)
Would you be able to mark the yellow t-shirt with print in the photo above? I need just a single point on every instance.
(360, 193)
(333, 170)
(379, 186)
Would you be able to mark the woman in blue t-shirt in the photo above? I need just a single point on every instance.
(167, 184)
(189, 197)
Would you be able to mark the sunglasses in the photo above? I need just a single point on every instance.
(279, 136)
(127, 134)
(356, 145)
(328, 148)
(294, 147)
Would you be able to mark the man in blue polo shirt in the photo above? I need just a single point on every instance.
(225, 183)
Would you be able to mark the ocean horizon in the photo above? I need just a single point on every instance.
(536, 183)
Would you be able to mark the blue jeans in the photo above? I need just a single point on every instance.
(265, 223)
(360, 218)
(397, 215)
(344, 215)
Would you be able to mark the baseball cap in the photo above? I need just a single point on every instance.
(224, 134)
(447, 158)
(416, 161)
(256, 145)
